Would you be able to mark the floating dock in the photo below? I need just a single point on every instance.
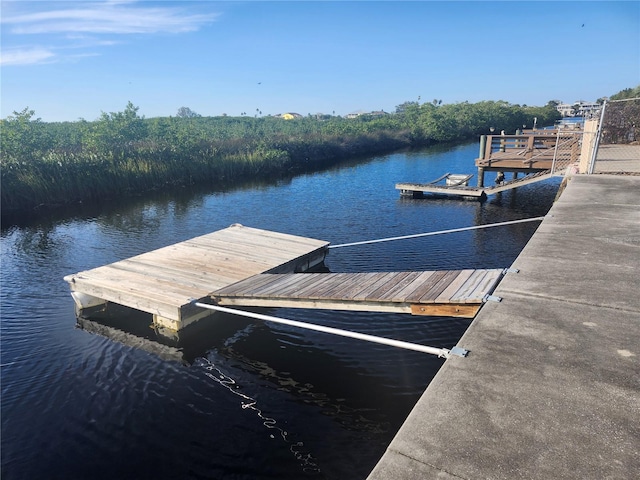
(165, 282)
(242, 266)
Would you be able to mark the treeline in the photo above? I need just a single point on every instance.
(621, 117)
(626, 94)
(120, 153)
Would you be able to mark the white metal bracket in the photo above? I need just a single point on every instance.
(491, 298)
(458, 352)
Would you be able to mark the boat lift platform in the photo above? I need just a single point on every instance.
(418, 190)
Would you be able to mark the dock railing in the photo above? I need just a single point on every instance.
(542, 149)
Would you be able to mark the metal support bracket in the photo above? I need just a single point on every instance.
(458, 352)
(510, 270)
(491, 298)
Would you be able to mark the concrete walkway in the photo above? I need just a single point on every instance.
(551, 388)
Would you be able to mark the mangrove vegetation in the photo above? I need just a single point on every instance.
(45, 164)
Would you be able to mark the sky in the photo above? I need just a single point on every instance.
(71, 60)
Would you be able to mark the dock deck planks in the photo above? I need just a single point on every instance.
(457, 293)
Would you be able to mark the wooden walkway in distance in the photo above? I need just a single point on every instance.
(454, 293)
(164, 282)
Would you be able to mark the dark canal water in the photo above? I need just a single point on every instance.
(237, 399)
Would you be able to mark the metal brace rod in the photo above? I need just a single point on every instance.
(440, 352)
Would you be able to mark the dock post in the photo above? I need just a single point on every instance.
(483, 145)
(480, 176)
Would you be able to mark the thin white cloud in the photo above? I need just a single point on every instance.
(26, 56)
(87, 25)
(111, 17)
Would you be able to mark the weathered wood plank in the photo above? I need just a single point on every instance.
(485, 286)
(426, 285)
(448, 293)
(271, 241)
(205, 267)
(402, 288)
(277, 284)
(192, 278)
(342, 283)
(401, 283)
(224, 250)
(123, 291)
(439, 287)
(432, 281)
(270, 283)
(251, 286)
(445, 310)
(128, 281)
(374, 282)
(382, 290)
(462, 294)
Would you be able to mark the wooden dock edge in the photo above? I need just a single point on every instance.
(426, 309)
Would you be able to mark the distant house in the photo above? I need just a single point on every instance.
(578, 109)
(289, 115)
(378, 113)
(355, 114)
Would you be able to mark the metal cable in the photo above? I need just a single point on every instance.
(427, 234)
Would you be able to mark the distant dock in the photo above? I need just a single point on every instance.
(417, 190)
(537, 155)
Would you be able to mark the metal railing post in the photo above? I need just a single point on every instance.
(592, 162)
(555, 153)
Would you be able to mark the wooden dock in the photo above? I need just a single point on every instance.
(165, 282)
(530, 152)
(241, 266)
(537, 154)
(417, 190)
(455, 293)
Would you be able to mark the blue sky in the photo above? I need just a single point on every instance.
(75, 59)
